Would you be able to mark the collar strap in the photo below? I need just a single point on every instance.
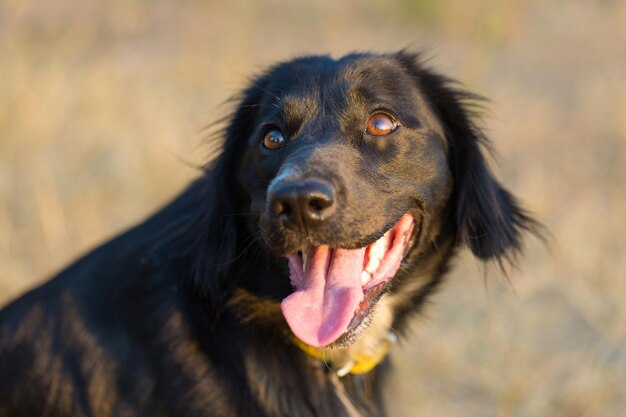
(359, 364)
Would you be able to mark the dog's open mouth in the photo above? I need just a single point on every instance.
(335, 289)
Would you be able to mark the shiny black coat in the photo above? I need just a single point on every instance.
(179, 315)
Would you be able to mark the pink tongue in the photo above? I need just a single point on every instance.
(326, 296)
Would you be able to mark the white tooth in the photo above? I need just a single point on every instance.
(372, 264)
(378, 252)
(365, 277)
(378, 249)
(304, 259)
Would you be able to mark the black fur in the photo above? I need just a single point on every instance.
(180, 316)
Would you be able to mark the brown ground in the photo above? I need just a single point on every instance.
(101, 105)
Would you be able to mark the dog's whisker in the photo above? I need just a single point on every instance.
(268, 92)
(236, 258)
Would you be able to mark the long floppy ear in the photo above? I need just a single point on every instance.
(488, 218)
(205, 239)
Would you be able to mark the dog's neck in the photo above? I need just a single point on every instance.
(319, 389)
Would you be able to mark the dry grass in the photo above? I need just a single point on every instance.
(101, 101)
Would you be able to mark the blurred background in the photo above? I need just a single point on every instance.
(103, 103)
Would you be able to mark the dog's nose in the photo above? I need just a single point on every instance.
(303, 203)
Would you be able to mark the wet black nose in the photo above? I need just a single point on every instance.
(303, 203)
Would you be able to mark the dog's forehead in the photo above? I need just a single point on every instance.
(317, 79)
(378, 72)
(359, 83)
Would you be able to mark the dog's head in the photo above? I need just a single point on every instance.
(362, 175)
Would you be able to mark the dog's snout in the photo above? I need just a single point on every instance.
(303, 203)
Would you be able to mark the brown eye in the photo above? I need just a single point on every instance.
(273, 139)
(380, 124)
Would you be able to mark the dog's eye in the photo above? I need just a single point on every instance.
(273, 139)
(380, 124)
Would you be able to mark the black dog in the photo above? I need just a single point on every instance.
(269, 286)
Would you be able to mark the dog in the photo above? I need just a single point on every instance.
(269, 287)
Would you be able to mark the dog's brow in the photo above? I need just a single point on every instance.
(297, 107)
(359, 95)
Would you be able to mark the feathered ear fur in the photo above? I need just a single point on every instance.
(488, 218)
(213, 202)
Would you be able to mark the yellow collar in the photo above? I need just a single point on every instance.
(359, 364)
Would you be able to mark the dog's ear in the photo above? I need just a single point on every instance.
(488, 218)
(214, 201)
